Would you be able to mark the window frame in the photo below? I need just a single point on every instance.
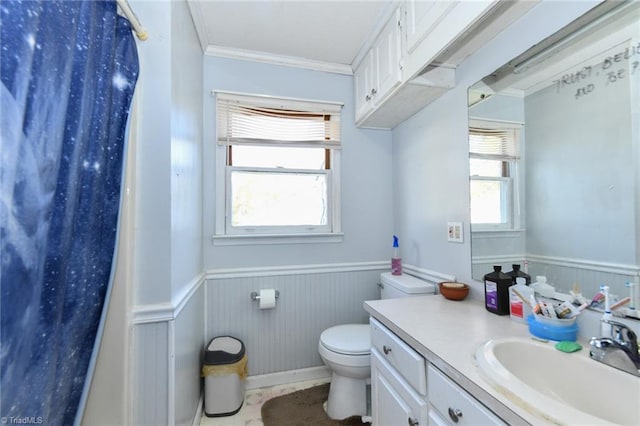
(226, 234)
(277, 229)
(507, 208)
(510, 209)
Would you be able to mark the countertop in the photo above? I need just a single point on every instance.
(447, 333)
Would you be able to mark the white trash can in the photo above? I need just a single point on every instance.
(224, 370)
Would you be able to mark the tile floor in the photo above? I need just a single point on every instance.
(249, 414)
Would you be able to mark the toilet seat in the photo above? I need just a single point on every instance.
(347, 339)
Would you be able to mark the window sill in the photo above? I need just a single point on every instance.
(497, 233)
(244, 240)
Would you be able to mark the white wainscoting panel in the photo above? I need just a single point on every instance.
(286, 337)
(187, 351)
(562, 273)
(151, 369)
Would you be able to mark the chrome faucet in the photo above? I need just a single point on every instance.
(619, 350)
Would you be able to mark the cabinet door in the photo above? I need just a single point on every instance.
(387, 53)
(363, 85)
(393, 401)
(422, 17)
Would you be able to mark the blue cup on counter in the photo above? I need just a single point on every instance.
(552, 328)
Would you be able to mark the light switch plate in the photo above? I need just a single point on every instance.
(454, 230)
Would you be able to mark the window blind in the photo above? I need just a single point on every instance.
(499, 144)
(254, 120)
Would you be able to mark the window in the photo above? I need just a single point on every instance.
(493, 164)
(279, 161)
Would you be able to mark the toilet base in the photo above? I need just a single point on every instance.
(347, 397)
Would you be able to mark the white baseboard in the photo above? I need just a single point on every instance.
(285, 377)
(198, 416)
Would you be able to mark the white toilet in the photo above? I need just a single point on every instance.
(346, 350)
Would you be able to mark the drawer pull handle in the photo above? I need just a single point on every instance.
(386, 349)
(455, 414)
(413, 422)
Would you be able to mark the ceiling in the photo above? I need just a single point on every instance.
(319, 34)
(325, 35)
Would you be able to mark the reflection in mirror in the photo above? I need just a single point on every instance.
(555, 157)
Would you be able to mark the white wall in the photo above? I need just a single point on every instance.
(186, 149)
(580, 173)
(367, 214)
(169, 170)
(186, 216)
(153, 167)
(168, 306)
(430, 150)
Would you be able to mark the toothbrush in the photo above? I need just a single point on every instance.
(606, 328)
(604, 289)
(632, 295)
(620, 303)
(598, 298)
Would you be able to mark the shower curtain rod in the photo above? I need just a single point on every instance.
(131, 16)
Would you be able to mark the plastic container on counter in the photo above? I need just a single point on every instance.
(553, 329)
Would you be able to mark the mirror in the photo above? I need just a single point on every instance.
(567, 203)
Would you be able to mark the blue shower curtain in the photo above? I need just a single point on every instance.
(68, 71)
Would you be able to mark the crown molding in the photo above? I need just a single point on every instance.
(269, 58)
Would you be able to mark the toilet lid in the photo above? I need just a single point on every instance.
(348, 339)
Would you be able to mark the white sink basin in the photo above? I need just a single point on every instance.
(559, 387)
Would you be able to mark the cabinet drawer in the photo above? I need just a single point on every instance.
(455, 404)
(393, 401)
(406, 361)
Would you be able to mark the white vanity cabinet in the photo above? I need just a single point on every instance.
(450, 404)
(393, 401)
(398, 380)
(407, 390)
(380, 70)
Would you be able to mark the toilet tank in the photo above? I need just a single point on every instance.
(395, 286)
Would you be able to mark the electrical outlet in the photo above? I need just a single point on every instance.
(454, 232)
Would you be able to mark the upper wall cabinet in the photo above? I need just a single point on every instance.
(433, 26)
(413, 59)
(422, 17)
(380, 71)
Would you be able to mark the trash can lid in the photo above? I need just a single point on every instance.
(223, 350)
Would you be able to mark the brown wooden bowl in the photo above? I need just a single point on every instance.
(454, 291)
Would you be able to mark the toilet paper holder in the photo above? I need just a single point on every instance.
(256, 295)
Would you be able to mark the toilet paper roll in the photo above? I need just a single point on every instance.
(267, 299)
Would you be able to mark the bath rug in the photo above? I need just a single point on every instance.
(303, 408)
